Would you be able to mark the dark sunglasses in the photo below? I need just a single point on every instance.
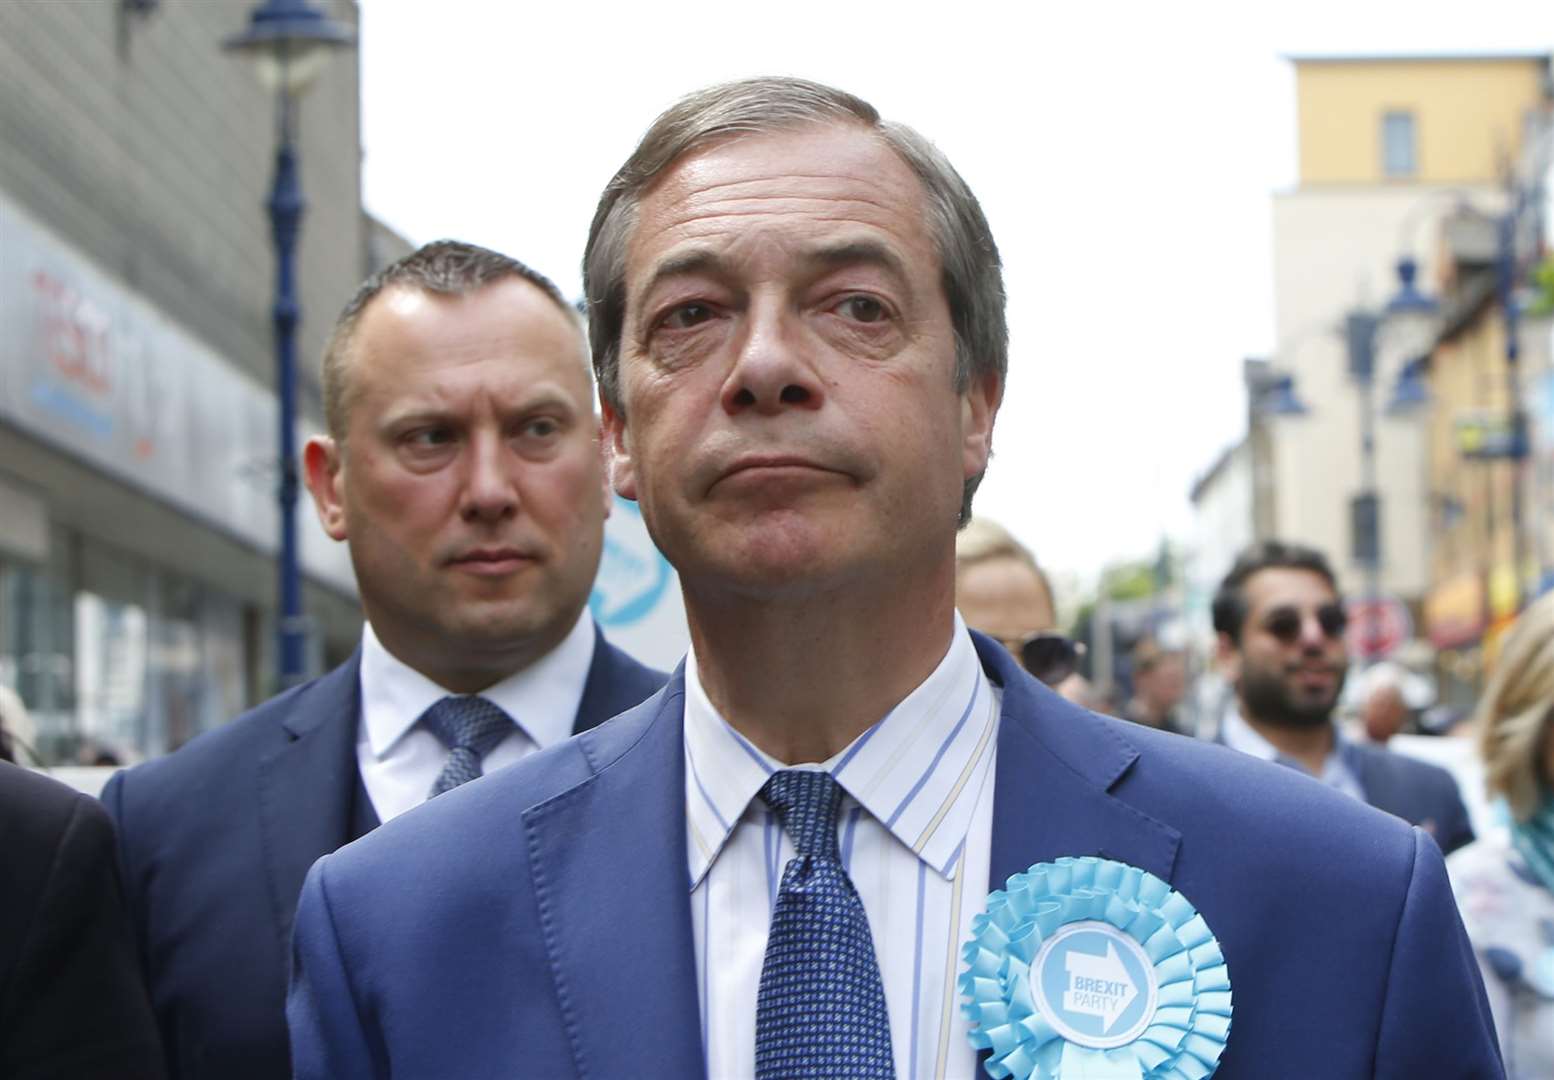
(1051, 658)
(1285, 623)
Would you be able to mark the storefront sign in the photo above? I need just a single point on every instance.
(1377, 628)
(1454, 612)
(1488, 436)
(92, 369)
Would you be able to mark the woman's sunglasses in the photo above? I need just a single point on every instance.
(1051, 658)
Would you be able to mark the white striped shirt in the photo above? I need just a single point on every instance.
(915, 832)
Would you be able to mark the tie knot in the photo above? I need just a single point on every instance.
(806, 802)
(468, 723)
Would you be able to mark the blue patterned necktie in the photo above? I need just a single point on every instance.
(821, 1008)
(470, 727)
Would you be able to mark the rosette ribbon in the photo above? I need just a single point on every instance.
(1181, 1031)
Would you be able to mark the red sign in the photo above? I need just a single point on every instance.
(1377, 627)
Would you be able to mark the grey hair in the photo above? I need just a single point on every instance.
(444, 267)
(971, 272)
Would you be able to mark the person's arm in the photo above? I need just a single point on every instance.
(1435, 1020)
(328, 1039)
(75, 1004)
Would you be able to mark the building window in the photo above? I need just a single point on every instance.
(1398, 158)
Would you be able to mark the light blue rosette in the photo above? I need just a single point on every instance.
(1091, 969)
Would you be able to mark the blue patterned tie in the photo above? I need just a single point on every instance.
(821, 1008)
(470, 727)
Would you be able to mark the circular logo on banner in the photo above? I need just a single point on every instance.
(1095, 985)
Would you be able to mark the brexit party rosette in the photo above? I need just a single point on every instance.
(1091, 969)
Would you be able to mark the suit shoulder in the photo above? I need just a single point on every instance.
(30, 798)
(1409, 770)
(633, 673)
(212, 759)
(1258, 802)
(39, 817)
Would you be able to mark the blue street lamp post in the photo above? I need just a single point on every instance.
(1505, 288)
(288, 39)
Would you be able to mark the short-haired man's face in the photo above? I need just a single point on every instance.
(1164, 684)
(1290, 664)
(470, 484)
(1005, 599)
(789, 412)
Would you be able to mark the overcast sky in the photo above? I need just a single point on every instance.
(1125, 154)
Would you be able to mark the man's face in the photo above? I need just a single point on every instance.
(1005, 599)
(790, 418)
(1290, 664)
(1164, 685)
(470, 482)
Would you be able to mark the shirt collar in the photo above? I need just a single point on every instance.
(918, 771)
(542, 699)
(1336, 769)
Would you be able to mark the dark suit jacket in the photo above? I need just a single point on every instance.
(566, 949)
(216, 839)
(1416, 791)
(71, 1001)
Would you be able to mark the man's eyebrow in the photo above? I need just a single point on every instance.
(696, 261)
(842, 253)
(852, 252)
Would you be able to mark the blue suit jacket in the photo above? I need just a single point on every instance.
(536, 923)
(216, 838)
(1418, 792)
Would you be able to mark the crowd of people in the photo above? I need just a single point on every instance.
(491, 843)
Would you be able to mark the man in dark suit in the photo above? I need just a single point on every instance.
(1281, 630)
(71, 999)
(770, 868)
(463, 467)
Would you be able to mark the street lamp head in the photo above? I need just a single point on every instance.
(1409, 299)
(288, 41)
(1410, 393)
(1412, 318)
(1278, 398)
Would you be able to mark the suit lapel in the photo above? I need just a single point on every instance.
(611, 875)
(1056, 774)
(306, 786)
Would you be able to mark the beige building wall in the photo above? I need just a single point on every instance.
(1337, 239)
(1470, 115)
(1335, 251)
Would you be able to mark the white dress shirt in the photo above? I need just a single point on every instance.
(1240, 735)
(400, 759)
(915, 832)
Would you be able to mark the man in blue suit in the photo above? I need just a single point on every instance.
(770, 867)
(463, 467)
(1281, 630)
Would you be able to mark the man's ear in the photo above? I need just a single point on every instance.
(619, 463)
(605, 492)
(323, 464)
(1228, 659)
(979, 408)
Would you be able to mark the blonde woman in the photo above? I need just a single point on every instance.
(1505, 881)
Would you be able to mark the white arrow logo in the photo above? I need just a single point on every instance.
(1098, 986)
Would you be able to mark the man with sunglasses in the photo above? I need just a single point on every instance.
(1281, 630)
(1000, 591)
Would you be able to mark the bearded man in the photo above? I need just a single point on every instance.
(1281, 628)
